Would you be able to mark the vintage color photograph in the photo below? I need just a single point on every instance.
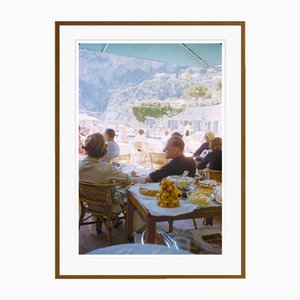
(150, 148)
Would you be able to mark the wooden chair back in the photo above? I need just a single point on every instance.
(211, 174)
(157, 159)
(123, 158)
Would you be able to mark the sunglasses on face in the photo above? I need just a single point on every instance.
(168, 148)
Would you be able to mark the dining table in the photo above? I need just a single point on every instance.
(152, 213)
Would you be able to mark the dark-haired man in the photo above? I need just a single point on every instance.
(113, 147)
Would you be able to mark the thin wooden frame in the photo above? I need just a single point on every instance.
(58, 26)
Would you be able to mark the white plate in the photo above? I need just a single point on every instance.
(209, 181)
(189, 199)
(186, 180)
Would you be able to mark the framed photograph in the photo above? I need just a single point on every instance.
(145, 81)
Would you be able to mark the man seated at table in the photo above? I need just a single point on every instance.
(113, 147)
(179, 163)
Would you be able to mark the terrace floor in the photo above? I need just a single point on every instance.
(89, 239)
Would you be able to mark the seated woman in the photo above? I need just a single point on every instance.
(209, 135)
(93, 170)
(213, 160)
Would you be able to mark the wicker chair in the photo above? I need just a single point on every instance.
(211, 174)
(100, 197)
(158, 159)
(123, 158)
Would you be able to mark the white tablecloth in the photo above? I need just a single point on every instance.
(150, 203)
(137, 249)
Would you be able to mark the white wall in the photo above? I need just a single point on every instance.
(27, 165)
(204, 114)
